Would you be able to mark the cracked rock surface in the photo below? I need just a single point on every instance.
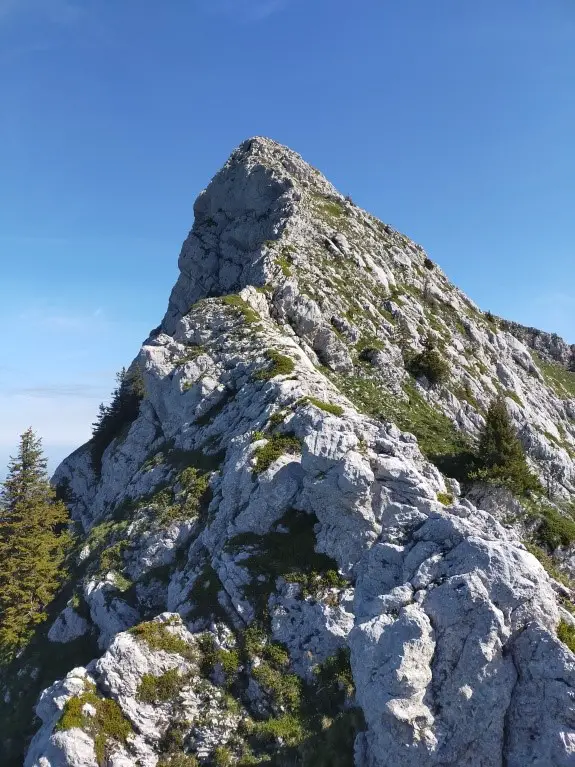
(291, 495)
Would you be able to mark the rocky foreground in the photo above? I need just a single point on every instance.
(273, 569)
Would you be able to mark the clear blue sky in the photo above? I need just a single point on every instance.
(452, 120)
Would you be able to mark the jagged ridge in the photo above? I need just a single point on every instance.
(282, 397)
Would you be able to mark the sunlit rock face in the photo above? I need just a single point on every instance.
(269, 525)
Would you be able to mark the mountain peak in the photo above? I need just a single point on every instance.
(287, 555)
(247, 205)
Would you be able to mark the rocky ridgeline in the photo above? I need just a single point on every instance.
(549, 346)
(273, 568)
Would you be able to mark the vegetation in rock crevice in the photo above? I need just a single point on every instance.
(281, 365)
(106, 723)
(275, 447)
(115, 418)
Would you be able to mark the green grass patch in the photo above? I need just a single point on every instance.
(566, 633)
(284, 264)
(330, 210)
(439, 440)
(179, 760)
(548, 564)
(275, 447)
(158, 637)
(557, 377)
(445, 498)
(555, 529)
(237, 302)
(160, 689)
(328, 407)
(107, 724)
(192, 353)
(281, 365)
(514, 396)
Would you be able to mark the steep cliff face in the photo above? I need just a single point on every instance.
(274, 569)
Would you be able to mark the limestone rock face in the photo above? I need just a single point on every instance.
(272, 559)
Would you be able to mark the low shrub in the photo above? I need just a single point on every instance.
(566, 633)
(275, 447)
(280, 366)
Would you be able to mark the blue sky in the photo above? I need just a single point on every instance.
(451, 120)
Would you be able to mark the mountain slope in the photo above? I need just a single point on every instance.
(274, 568)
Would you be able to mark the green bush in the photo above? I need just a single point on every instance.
(179, 760)
(555, 529)
(237, 302)
(277, 445)
(429, 363)
(159, 689)
(445, 498)
(291, 555)
(223, 757)
(280, 366)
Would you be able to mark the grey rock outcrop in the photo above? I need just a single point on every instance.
(271, 481)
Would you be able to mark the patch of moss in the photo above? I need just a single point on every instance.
(277, 445)
(237, 302)
(107, 724)
(160, 689)
(328, 407)
(280, 366)
(158, 637)
(445, 498)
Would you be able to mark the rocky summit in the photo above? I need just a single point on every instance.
(282, 555)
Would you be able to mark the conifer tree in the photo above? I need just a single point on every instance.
(34, 539)
(122, 411)
(500, 455)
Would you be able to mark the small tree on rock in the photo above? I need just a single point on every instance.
(34, 539)
(121, 412)
(500, 455)
(429, 363)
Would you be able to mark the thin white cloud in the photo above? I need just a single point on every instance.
(247, 10)
(57, 391)
(60, 320)
(63, 422)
